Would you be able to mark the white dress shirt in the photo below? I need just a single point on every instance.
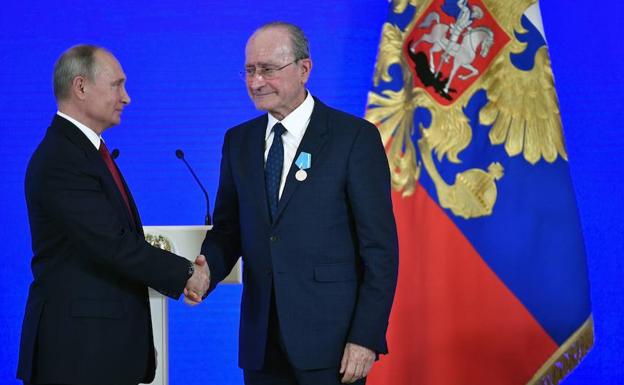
(89, 133)
(296, 124)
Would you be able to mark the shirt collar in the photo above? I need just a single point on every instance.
(89, 133)
(297, 121)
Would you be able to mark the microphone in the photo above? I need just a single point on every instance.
(180, 155)
(115, 154)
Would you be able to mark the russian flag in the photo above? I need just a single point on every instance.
(493, 285)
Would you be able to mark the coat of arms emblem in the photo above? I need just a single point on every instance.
(455, 53)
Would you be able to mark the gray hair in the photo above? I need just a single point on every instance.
(78, 60)
(298, 40)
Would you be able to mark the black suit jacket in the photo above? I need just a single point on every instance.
(87, 317)
(331, 252)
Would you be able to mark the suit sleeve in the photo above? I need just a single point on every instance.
(221, 247)
(369, 194)
(74, 196)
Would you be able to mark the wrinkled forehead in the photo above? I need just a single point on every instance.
(270, 46)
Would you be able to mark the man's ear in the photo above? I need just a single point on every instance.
(78, 87)
(305, 67)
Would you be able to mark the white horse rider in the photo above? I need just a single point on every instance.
(463, 54)
(463, 22)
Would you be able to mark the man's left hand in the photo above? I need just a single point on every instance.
(357, 361)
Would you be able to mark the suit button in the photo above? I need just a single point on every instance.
(269, 272)
(273, 238)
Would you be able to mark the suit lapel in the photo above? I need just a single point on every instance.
(312, 143)
(254, 162)
(132, 203)
(79, 139)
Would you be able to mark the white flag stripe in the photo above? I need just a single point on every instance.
(535, 17)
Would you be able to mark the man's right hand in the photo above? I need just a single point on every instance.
(198, 284)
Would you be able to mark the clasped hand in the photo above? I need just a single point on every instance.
(197, 285)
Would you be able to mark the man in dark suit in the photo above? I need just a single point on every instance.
(87, 318)
(304, 197)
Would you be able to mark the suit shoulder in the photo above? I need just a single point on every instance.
(245, 126)
(55, 152)
(55, 147)
(349, 123)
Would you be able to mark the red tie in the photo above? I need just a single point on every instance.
(115, 174)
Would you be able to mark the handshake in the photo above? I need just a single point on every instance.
(197, 286)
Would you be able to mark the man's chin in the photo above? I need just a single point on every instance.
(114, 122)
(261, 105)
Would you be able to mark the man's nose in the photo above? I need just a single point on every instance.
(256, 81)
(125, 97)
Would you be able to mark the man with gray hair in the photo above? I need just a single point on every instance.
(87, 318)
(304, 198)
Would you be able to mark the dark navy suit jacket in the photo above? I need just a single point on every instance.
(331, 252)
(87, 317)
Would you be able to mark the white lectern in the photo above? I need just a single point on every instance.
(186, 242)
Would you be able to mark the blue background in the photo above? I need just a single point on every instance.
(182, 60)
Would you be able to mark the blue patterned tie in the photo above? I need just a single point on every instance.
(273, 168)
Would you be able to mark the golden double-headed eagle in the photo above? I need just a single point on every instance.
(522, 112)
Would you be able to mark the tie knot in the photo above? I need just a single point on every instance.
(279, 129)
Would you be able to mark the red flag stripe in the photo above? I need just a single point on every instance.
(448, 302)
